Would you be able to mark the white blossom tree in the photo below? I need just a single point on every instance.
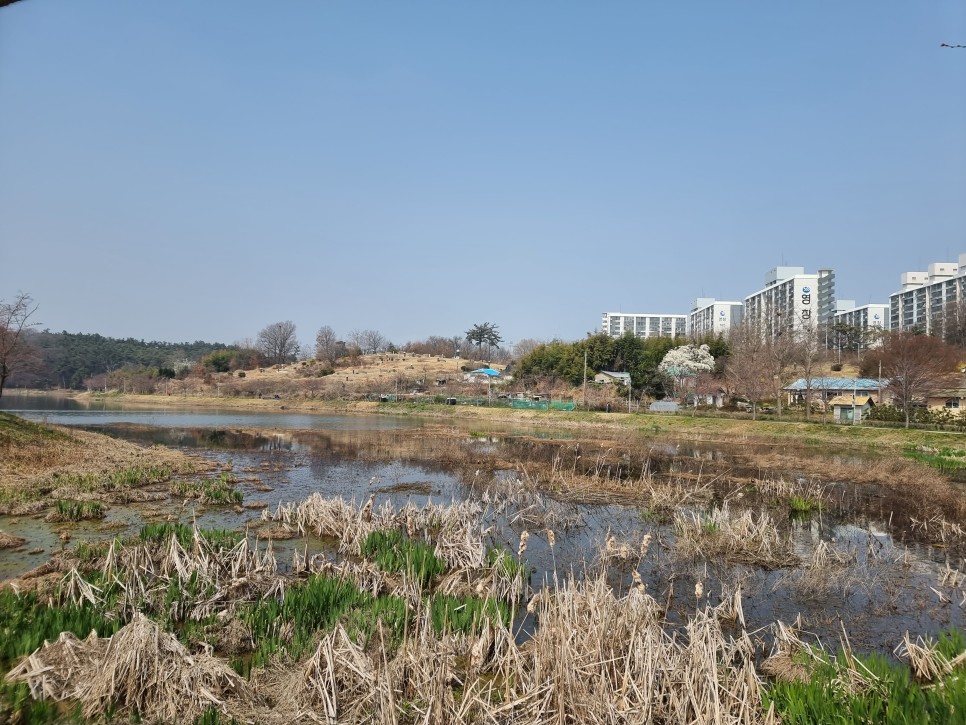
(683, 365)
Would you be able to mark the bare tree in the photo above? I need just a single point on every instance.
(277, 342)
(917, 366)
(371, 342)
(782, 353)
(749, 364)
(15, 350)
(809, 353)
(327, 345)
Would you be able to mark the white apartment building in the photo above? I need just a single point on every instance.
(792, 300)
(709, 316)
(929, 300)
(870, 320)
(618, 324)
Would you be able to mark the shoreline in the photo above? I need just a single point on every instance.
(699, 428)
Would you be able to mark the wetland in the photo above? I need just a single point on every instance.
(351, 568)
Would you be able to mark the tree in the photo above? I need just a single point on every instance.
(371, 342)
(684, 363)
(15, 350)
(277, 342)
(748, 364)
(917, 366)
(326, 345)
(484, 333)
(782, 354)
(808, 355)
(524, 347)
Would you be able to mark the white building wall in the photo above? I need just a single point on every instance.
(617, 324)
(927, 299)
(871, 319)
(713, 317)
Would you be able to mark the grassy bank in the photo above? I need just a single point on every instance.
(679, 427)
(40, 464)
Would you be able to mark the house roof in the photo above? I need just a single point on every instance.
(846, 400)
(618, 376)
(844, 384)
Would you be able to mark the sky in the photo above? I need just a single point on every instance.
(185, 171)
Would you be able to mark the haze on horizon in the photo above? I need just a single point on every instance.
(185, 171)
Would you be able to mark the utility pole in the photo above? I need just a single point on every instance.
(585, 379)
(855, 392)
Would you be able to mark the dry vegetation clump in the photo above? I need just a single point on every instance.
(594, 658)
(827, 570)
(926, 660)
(139, 671)
(9, 541)
(454, 530)
(739, 538)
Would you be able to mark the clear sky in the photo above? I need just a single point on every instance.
(187, 170)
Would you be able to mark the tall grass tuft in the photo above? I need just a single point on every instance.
(76, 510)
(211, 491)
(394, 553)
(466, 615)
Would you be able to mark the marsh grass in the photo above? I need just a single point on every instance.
(396, 554)
(743, 538)
(848, 688)
(70, 511)
(943, 459)
(219, 491)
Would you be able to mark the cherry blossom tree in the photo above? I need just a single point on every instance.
(683, 365)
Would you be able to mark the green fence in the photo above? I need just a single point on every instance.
(542, 405)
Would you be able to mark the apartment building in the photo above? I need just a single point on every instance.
(869, 321)
(618, 324)
(929, 301)
(792, 300)
(709, 316)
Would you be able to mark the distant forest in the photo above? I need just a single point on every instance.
(67, 360)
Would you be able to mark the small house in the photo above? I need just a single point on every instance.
(607, 377)
(953, 400)
(825, 389)
(850, 409)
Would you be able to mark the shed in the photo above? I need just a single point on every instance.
(606, 377)
(843, 407)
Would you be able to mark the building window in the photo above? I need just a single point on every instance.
(952, 403)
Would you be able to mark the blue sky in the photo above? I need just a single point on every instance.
(186, 170)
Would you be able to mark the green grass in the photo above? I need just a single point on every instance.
(219, 491)
(25, 622)
(310, 608)
(89, 551)
(895, 699)
(15, 431)
(79, 510)
(395, 554)
(943, 458)
(161, 532)
(802, 506)
(508, 563)
(465, 614)
(130, 477)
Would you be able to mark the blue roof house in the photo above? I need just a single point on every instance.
(825, 389)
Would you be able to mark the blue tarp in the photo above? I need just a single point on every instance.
(487, 371)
